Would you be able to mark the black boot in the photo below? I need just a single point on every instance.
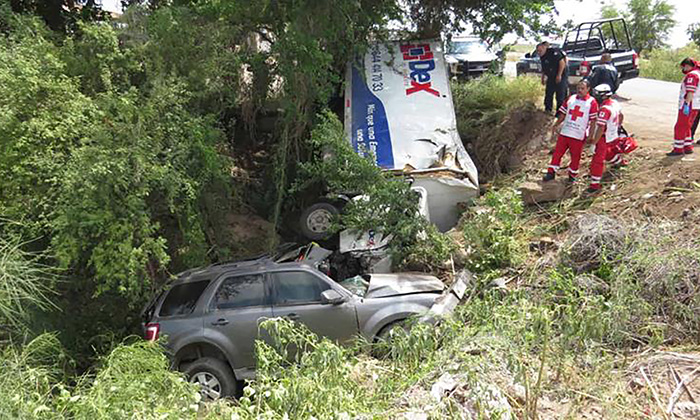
(550, 176)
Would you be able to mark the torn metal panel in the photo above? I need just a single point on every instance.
(399, 111)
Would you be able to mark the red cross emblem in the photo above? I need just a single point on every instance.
(575, 113)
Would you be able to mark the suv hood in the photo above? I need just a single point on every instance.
(478, 57)
(384, 285)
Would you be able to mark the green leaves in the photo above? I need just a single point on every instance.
(96, 168)
(649, 22)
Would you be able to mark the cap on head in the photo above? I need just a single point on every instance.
(603, 90)
(688, 62)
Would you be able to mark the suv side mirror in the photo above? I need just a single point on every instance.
(332, 297)
(528, 55)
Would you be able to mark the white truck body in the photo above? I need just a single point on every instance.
(399, 110)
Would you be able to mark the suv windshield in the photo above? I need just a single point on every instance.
(468, 47)
(182, 298)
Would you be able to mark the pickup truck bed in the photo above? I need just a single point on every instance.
(585, 54)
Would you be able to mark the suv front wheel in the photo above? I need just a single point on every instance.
(214, 378)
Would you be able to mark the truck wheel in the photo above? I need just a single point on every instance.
(316, 220)
(214, 378)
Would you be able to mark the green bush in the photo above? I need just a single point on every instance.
(29, 378)
(25, 286)
(664, 64)
(493, 231)
(134, 382)
(100, 170)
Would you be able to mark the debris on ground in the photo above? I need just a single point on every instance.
(592, 239)
(672, 380)
(544, 192)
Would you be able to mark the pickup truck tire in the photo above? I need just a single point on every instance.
(213, 376)
(315, 221)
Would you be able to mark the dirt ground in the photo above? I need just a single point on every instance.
(653, 185)
(665, 383)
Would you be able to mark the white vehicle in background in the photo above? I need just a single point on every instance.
(469, 57)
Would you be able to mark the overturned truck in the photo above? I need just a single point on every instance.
(399, 110)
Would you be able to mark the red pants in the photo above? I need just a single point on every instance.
(598, 162)
(682, 139)
(618, 148)
(574, 146)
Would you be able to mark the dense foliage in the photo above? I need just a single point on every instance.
(665, 64)
(649, 22)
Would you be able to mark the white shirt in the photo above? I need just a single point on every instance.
(579, 112)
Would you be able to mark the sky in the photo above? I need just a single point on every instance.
(687, 12)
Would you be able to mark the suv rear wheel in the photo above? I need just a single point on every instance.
(214, 378)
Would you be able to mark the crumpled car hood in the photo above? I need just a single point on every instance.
(384, 285)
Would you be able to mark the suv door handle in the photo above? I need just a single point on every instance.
(292, 316)
(220, 321)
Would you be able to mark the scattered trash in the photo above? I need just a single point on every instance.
(440, 389)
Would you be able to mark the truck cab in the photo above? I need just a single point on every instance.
(585, 45)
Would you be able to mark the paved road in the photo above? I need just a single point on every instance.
(650, 108)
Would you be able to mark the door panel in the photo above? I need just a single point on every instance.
(239, 304)
(297, 295)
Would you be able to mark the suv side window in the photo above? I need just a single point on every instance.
(294, 287)
(182, 298)
(241, 292)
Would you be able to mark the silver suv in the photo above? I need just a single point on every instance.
(211, 315)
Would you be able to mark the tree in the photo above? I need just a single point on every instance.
(60, 15)
(694, 33)
(649, 23)
(490, 20)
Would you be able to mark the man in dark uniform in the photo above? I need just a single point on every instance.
(554, 74)
(605, 73)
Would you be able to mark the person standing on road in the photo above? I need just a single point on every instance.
(605, 73)
(606, 131)
(554, 74)
(688, 107)
(697, 117)
(573, 117)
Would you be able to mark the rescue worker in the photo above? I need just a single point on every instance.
(624, 145)
(573, 117)
(697, 117)
(605, 73)
(606, 131)
(554, 74)
(688, 107)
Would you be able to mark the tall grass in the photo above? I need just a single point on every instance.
(28, 378)
(497, 119)
(25, 284)
(489, 96)
(134, 382)
(664, 64)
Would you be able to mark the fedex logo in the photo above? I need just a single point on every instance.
(421, 63)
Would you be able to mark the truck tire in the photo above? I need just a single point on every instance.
(215, 378)
(315, 221)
